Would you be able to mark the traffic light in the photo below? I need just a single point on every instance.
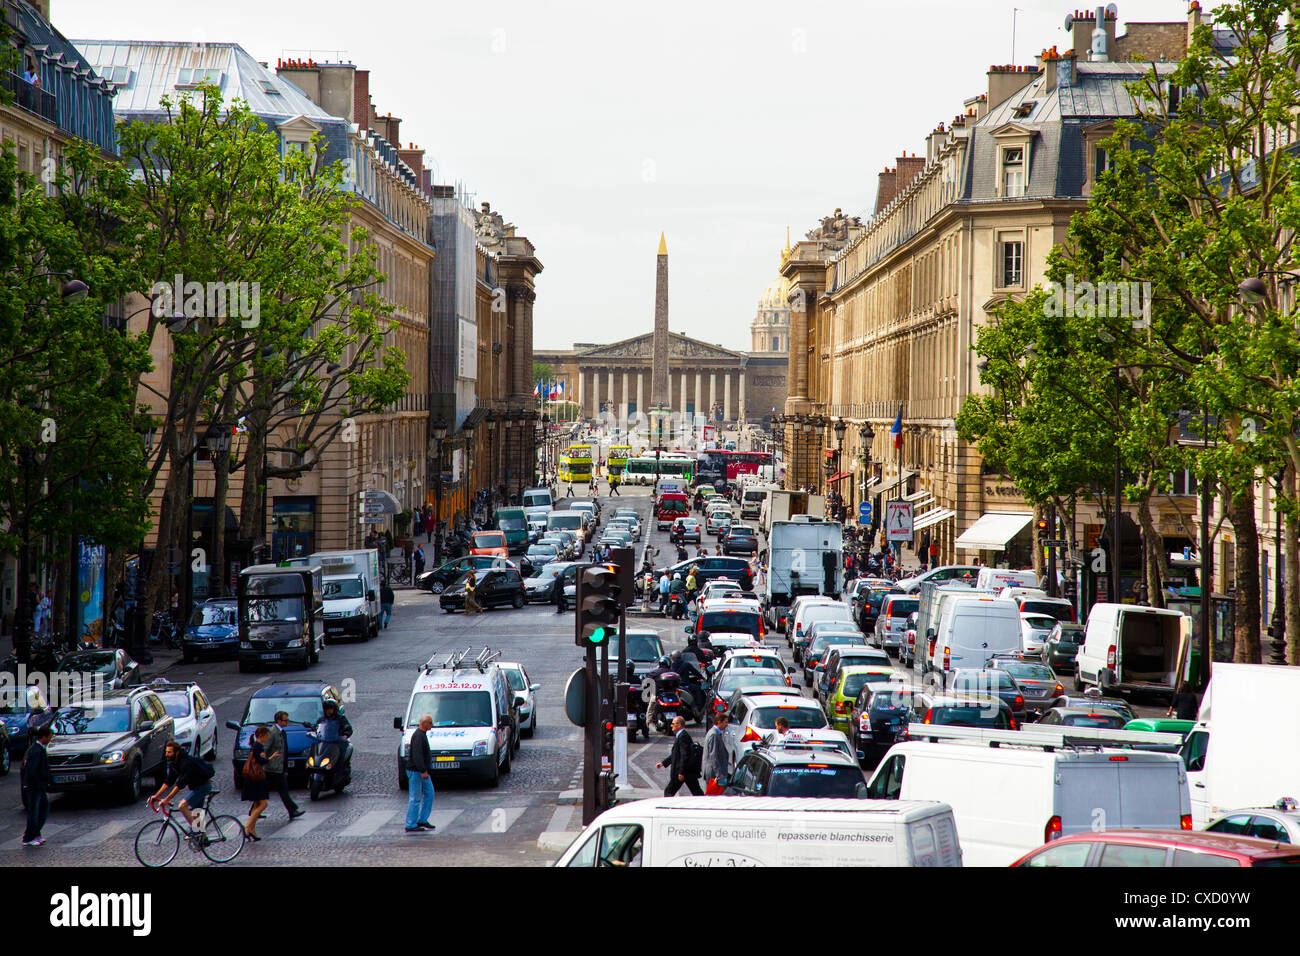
(598, 605)
(1042, 528)
(607, 737)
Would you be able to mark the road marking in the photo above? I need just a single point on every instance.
(561, 817)
(296, 829)
(16, 835)
(641, 773)
(369, 823)
(500, 820)
(442, 819)
(219, 701)
(101, 834)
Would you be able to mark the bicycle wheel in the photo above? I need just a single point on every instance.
(157, 843)
(225, 838)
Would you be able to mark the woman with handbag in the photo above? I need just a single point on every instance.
(256, 790)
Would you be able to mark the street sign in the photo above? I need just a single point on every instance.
(575, 698)
(864, 509)
(373, 519)
(371, 507)
(370, 495)
(864, 519)
(898, 520)
(1056, 543)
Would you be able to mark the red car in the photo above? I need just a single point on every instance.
(1160, 848)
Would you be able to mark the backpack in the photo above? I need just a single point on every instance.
(206, 770)
(695, 761)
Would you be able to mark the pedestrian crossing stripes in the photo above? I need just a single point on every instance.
(12, 837)
(101, 834)
(369, 823)
(500, 820)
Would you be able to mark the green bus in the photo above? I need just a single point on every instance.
(646, 469)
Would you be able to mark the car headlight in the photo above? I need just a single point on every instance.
(480, 749)
(296, 642)
(113, 756)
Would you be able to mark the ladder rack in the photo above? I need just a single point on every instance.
(1048, 738)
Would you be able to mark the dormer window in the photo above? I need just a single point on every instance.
(191, 77)
(1013, 171)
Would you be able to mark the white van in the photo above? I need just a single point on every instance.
(1011, 799)
(1127, 647)
(475, 730)
(972, 629)
(768, 831)
(999, 578)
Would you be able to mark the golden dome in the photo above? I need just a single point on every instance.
(776, 295)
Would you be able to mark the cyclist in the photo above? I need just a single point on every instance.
(184, 770)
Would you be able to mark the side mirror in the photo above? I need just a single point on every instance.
(861, 757)
(860, 791)
(534, 687)
(687, 629)
(370, 595)
(520, 700)
(792, 669)
(930, 632)
(233, 725)
(397, 723)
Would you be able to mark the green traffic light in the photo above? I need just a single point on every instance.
(598, 635)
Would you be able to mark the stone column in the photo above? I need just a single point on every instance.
(713, 391)
(582, 392)
(744, 413)
(683, 375)
(726, 397)
(640, 391)
(622, 407)
(699, 391)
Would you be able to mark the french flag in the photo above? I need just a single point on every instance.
(897, 429)
(537, 390)
(554, 392)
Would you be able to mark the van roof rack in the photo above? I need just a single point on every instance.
(1049, 738)
(457, 660)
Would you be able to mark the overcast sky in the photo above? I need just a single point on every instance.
(594, 126)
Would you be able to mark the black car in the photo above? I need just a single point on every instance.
(113, 669)
(212, 631)
(740, 539)
(880, 717)
(493, 588)
(111, 743)
(438, 579)
(22, 710)
(871, 603)
(1061, 649)
(795, 771)
(710, 568)
(548, 583)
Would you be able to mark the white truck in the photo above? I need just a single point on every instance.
(752, 498)
(1131, 648)
(1245, 748)
(805, 556)
(783, 505)
(351, 582)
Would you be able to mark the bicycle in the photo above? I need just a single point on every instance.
(399, 573)
(219, 838)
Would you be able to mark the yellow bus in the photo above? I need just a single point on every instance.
(618, 456)
(575, 464)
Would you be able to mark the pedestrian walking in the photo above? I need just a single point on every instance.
(277, 781)
(255, 789)
(683, 766)
(934, 555)
(386, 597)
(471, 594)
(1186, 704)
(419, 561)
(718, 760)
(429, 525)
(418, 781)
(36, 783)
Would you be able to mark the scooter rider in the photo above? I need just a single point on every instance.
(332, 713)
(692, 682)
(677, 589)
(658, 675)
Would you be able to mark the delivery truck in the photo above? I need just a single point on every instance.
(805, 556)
(783, 505)
(1128, 648)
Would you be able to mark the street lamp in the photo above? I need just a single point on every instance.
(839, 428)
(439, 433)
(868, 435)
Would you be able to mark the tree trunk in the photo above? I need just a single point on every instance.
(221, 487)
(1039, 569)
(252, 524)
(1154, 546)
(1246, 648)
(1291, 584)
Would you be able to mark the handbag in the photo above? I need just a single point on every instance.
(253, 770)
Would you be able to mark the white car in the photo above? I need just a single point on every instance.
(1279, 823)
(751, 658)
(631, 517)
(754, 717)
(519, 683)
(718, 520)
(1034, 632)
(194, 719)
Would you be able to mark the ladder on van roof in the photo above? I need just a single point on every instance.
(1048, 738)
(456, 661)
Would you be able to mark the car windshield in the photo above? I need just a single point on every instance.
(1108, 721)
(542, 550)
(452, 708)
(814, 780)
(806, 718)
(515, 678)
(974, 714)
(536, 499)
(1029, 671)
(1057, 612)
(213, 614)
(102, 661)
(513, 523)
(754, 661)
(301, 710)
(823, 641)
(876, 596)
(176, 703)
(740, 531)
(891, 699)
(853, 682)
(347, 588)
(92, 720)
(264, 610)
(1070, 636)
(639, 648)
(489, 539)
(731, 622)
(985, 681)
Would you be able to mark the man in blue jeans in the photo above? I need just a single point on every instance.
(418, 781)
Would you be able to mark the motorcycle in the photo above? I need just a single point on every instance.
(677, 606)
(668, 702)
(329, 761)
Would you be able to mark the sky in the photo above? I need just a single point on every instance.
(594, 126)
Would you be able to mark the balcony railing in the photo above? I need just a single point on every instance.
(31, 98)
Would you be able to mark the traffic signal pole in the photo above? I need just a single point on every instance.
(591, 745)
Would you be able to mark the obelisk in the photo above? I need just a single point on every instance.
(659, 365)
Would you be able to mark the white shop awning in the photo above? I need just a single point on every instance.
(993, 530)
(932, 517)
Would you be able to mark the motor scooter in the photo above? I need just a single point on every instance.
(329, 761)
(668, 702)
(677, 606)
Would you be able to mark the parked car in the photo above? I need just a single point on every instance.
(303, 701)
(110, 742)
(113, 666)
(493, 588)
(212, 631)
(23, 710)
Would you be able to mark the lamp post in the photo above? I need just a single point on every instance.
(868, 435)
(840, 427)
(439, 433)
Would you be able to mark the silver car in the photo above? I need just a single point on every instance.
(521, 686)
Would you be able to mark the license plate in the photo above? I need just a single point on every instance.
(446, 763)
(70, 778)
(270, 657)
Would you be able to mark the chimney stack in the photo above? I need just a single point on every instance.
(908, 168)
(886, 188)
(413, 157)
(361, 99)
(1006, 81)
(1085, 24)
